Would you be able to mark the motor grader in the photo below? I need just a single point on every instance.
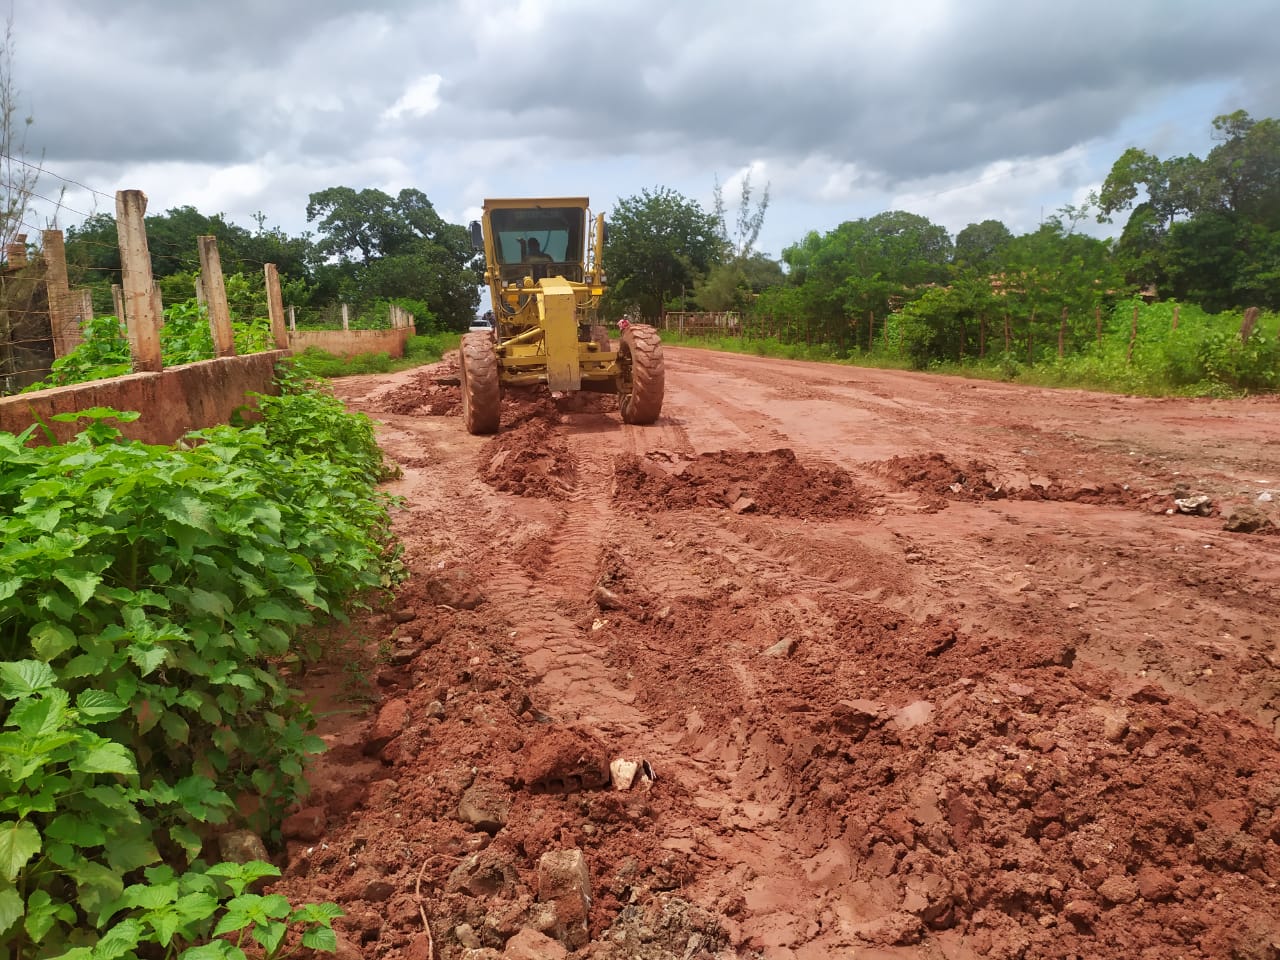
(544, 270)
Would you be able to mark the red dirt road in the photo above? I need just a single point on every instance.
(924, 667)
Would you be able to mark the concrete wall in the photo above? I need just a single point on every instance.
(349, 343)
(172, 402)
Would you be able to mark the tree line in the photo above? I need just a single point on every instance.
(1198, 230)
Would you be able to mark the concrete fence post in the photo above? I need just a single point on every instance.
(117, 297)
(293, 318)
(61, 306)
(215, 291)
(275, 306)
(138, 287)
(346, 318)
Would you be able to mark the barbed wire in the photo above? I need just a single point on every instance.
(45, 170)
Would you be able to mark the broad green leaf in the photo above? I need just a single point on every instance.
(130, 852)
(95, 705)
(19, 842)
(9, 587)
(11, 908)
(76, 830)
(160, 572)
(208, 601)
(106, 757)
(321, 938)
(81, 583)
(148, 659)
(119, 940)
(97, 885)
(49, 640)
(187, 839)
(217, 950)
(39, 718)
(43, 912)
(21, 678)
(175, 727)
(323, 913)
(269, 936)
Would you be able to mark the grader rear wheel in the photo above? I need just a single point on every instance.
(481, 396)
(643, 382)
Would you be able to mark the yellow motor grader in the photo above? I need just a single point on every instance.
(545, 275)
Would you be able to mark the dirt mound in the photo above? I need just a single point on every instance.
(774, 483)
(939, 479)
(432, 391)
(529, 460)
(935, 474)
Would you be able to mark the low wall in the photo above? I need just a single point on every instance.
(350, 343)
(172, 402)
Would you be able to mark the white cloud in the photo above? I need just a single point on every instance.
(422, 98)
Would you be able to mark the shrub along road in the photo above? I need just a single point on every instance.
(924, 667)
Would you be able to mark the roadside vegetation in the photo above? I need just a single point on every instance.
(155, 602)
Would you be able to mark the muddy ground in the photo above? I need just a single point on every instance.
(919, 667)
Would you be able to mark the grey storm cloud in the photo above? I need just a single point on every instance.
(866, 97)
(912, 91)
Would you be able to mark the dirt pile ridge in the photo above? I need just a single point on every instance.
(938, 479)
(773, 482)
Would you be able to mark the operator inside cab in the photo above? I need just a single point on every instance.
(533, 252)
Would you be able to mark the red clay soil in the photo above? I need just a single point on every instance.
(1043, 725)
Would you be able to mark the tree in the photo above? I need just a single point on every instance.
(660, 242)
(20, 176)
(979, 245)
(382, 247)
(866, 266)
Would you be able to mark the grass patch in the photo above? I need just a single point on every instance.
(422, 349)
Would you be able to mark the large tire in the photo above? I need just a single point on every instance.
(481, 395)
(600, 337)
(643, 380)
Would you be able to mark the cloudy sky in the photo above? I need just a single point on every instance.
(960, 110)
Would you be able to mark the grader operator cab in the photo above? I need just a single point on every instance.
(545, 276)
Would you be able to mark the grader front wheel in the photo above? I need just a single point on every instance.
(643, 382)
(481, 396)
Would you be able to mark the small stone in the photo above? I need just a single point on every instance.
(242, 846)
(743, 505)
(390, 723)
(783, 648)
(1198, 505)
(529, 944)
(435, 710)
(307, 824)
(377, 891)
(1248, 519)
(1118, 889)
(465, 934)
(856, 717)
(403, 615)
(401, 655)
(483, 874)
(623, 773)
(563, 880)
(914, 714)
(606, 599)
(485, 805)
(1081, 912)
(1155, 885)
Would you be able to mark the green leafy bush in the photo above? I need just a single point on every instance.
(147, 597)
